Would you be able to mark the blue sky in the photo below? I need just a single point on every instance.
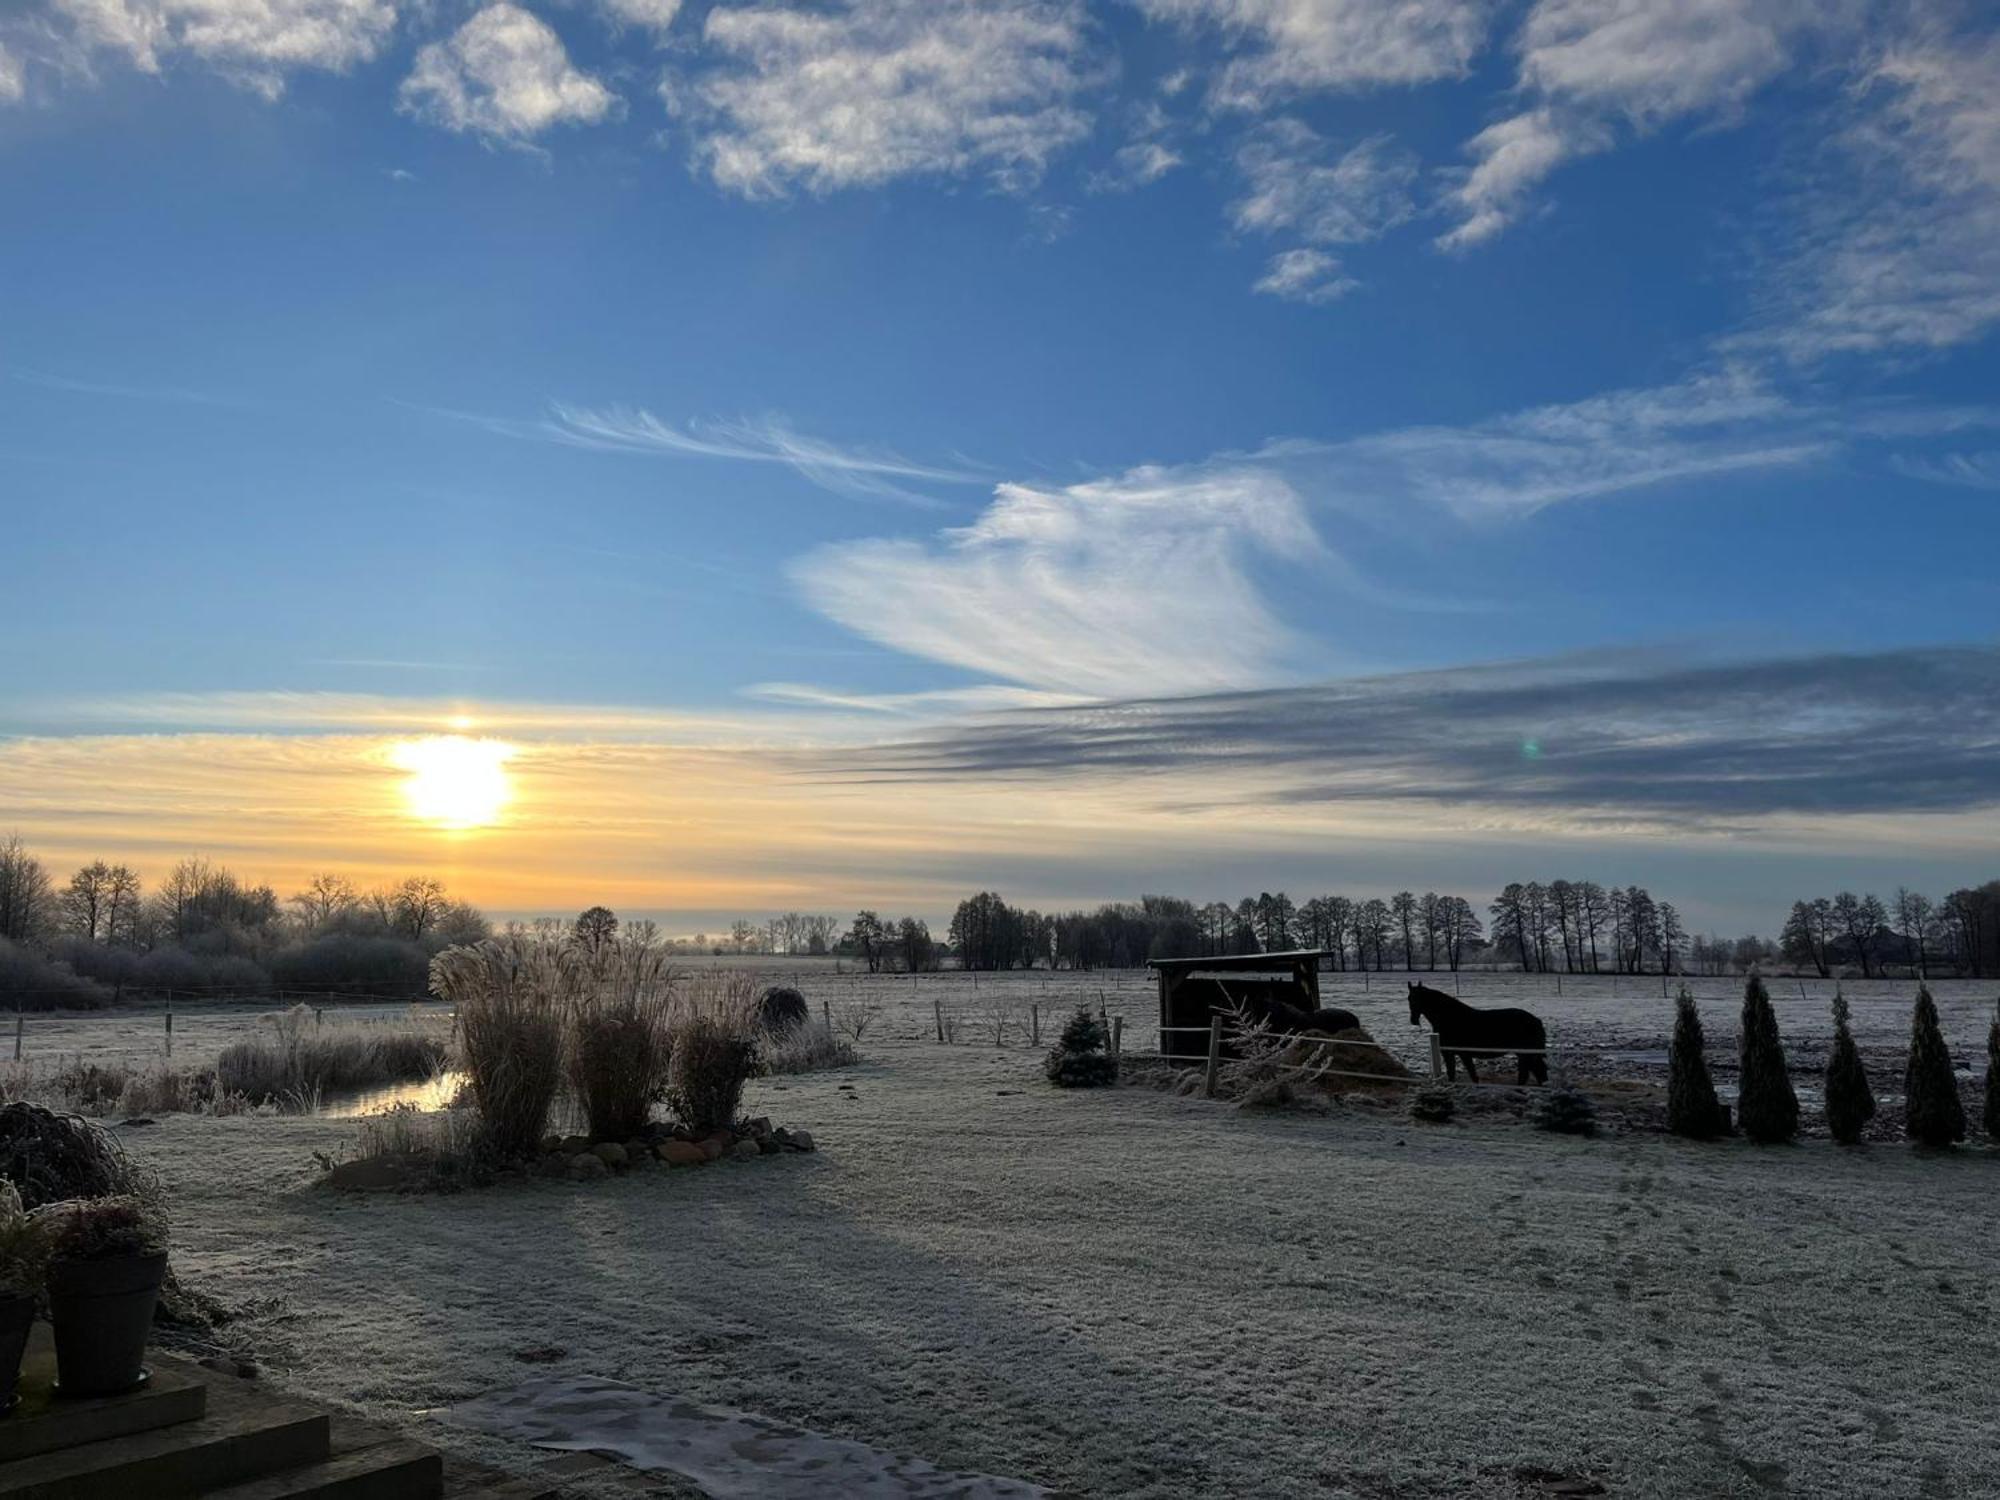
(802, 369)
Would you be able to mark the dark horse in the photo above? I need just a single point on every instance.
(1287, 1019)
(1465, 1032)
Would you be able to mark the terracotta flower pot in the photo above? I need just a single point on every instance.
(102, 1311)
(17, 1316)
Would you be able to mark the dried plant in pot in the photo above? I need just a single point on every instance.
(23, 1259)
(107, 1258)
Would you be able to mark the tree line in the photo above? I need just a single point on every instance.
(1960, 934)
(100, 933)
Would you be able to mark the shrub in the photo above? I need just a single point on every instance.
(620, 1040)
(1566, 1110)
(449, 1145)
(1932, 1112)
(1766, 1107)
(1692, 1108)
(345, 963)
(781, 1007)
(1432, 1104)
(105, 1228)
(806, 1049)
(714, 1056)
(1993, 1079)
(1080, 1059)
(1850, 1103)
(30, 982)
(50, 1157)
(508, 992)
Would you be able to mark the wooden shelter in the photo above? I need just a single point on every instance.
(1193, 990)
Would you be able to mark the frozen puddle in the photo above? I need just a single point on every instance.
(732, 1455)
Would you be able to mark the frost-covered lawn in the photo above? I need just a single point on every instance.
(1126, 1293)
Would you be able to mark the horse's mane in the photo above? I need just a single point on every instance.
(1450, 1004)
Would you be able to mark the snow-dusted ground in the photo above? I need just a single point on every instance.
(1126, 1293)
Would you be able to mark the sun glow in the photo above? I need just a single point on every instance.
(455, 782)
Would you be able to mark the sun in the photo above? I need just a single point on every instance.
(455, 781)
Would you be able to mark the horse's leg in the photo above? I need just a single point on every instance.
(1451, 1067)
(1522, 1068)
(1470, 1071)
(1542, 1067)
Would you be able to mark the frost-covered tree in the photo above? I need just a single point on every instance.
(1692, 1108)
(1850, 1103)
(1933, 1114)
(1766, 1108)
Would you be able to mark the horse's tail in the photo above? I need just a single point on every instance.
(1538, 1062)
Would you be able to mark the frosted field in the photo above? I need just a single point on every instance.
(1125, 1293)
(1122, 1292)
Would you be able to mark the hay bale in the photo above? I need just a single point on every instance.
(781, 1007)
(1352, 1051)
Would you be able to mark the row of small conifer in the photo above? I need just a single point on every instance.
(1767, 1109)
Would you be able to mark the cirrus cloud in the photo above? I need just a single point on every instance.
(504, 75)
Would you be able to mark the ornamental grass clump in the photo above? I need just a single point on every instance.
(1766, 1107)
(1693, 1110)
(620, 1034)
(105, 1229)
(509, 993)
(1850, 1102)
(1081, 1057)
(51, 1157)
(1933, 1114)
(24, 1245)
(715, 1052)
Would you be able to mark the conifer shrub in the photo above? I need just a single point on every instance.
(1932, 1112)
(1432, 1104)
(1566, 1110)
(1692, 1108)
(1081, 1057)
(1767, 1108)
(1850, 1103)
(1993, 1079)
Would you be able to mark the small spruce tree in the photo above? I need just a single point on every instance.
(1766, 1107)
(1993, 1079)
(1932, 1113)
(1080, 1058)
(1692, 1108)
(1566, 1109)
(1850, 1103)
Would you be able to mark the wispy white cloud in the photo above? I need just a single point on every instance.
(123, 391)
(861, 472)
(1588, 65)
(1513, 465)
(503, 75)
(867, 91)
(1973, 471)
(1296, 181)
(656, 16)
(1291, 46)
(1902, 251)
(13, 77)
(935, 704)
(1309, 276)
(255, 42)
(1131, 585)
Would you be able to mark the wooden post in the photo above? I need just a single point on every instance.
(20, 1022)
(170, 1031)
(1437, 1056)
(826, 1013)
(1214, 1057)
(937, 1009)
(1035, 1024)
(1559, 984)
(1117, 1036)
(1802, 989)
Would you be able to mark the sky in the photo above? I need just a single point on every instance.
(803, 456)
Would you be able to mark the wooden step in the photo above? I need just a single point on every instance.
(394, 1470)
(243, 1434)
(45, 1422)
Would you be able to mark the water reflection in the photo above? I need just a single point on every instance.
(435, 1092)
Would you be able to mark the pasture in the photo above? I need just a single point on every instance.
(1122, 1292)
